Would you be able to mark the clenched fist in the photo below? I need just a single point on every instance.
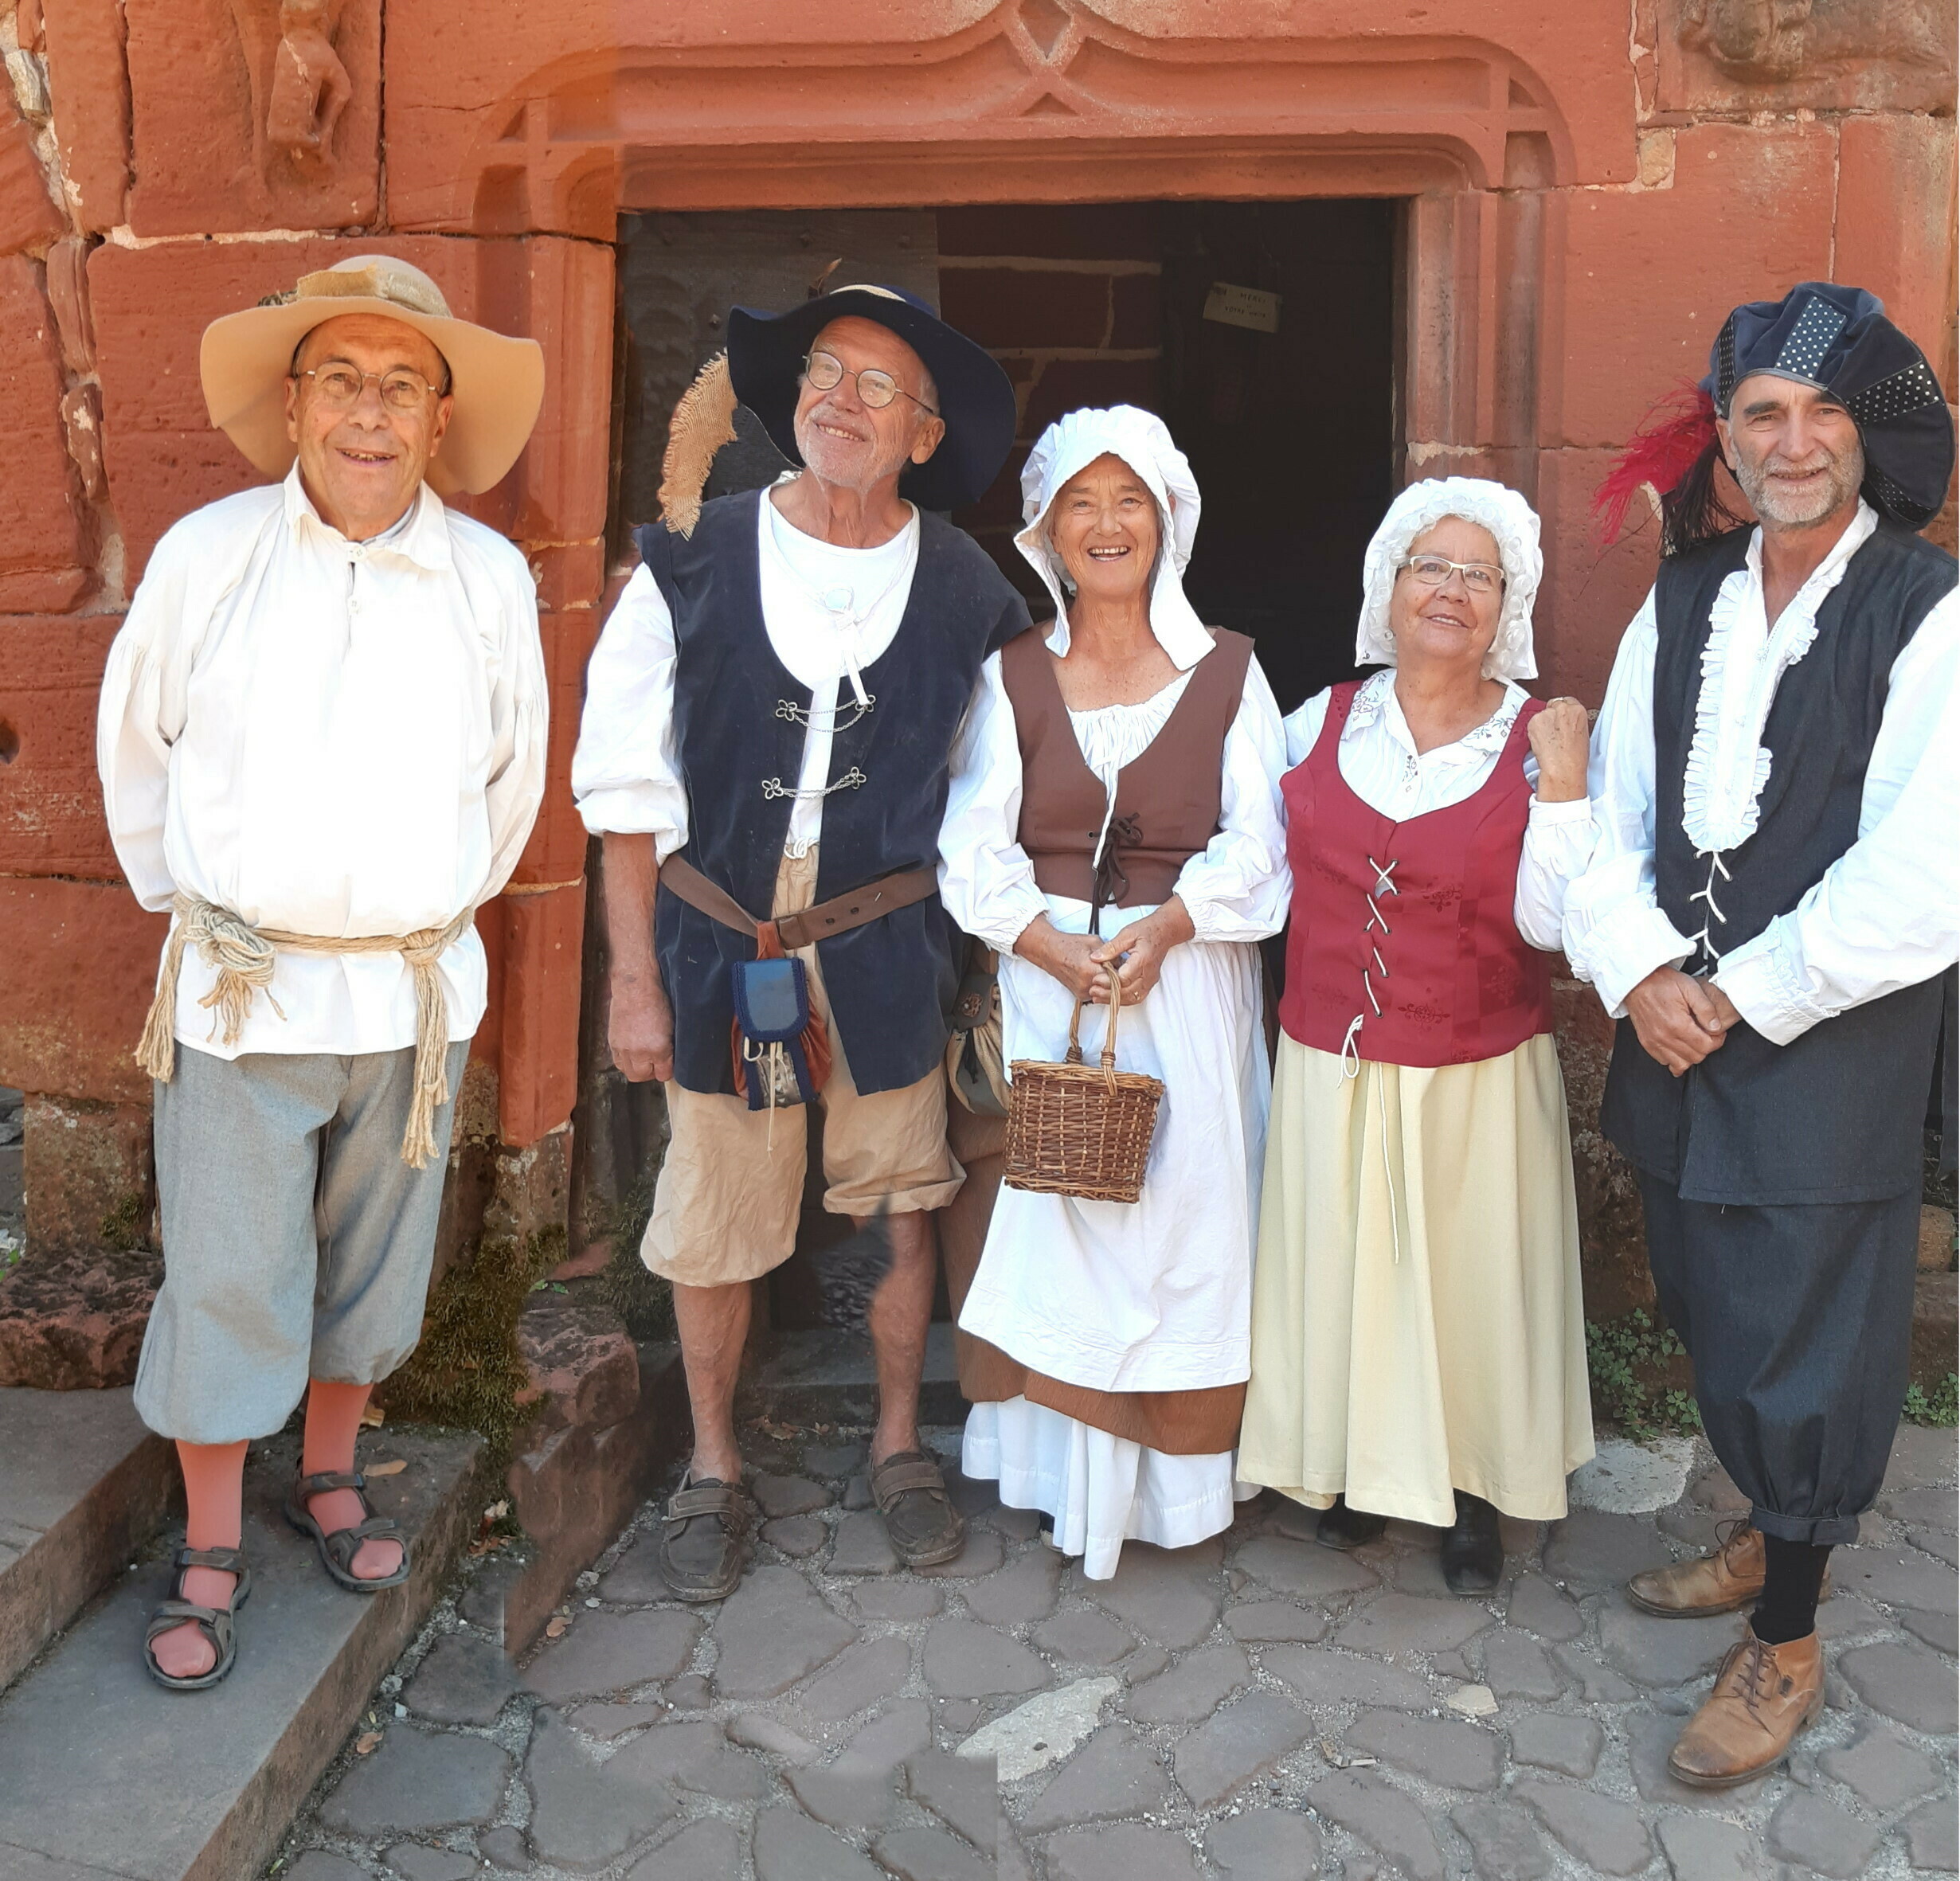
(1559, 737)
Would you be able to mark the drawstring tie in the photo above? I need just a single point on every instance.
(1350, 1042)
(243, 958)
(1704, 942)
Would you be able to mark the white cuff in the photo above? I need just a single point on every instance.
(632, 810)
(1762, 991)
(1570, 810)
(1010, 917)
(1618, 954)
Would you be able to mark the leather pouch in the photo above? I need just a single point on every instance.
(772, 1013)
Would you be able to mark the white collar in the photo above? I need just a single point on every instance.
(419, 535)
(1376, 699)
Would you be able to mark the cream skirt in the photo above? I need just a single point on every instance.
(1417, 1323)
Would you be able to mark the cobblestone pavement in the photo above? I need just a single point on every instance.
(1258, 1709)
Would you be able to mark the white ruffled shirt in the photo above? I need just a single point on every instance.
(1381, 766)
(1885, 915)
(829, 612)
(330, 736)
(1235, 889)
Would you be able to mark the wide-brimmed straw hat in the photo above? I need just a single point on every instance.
(497, 383)
(765, 356)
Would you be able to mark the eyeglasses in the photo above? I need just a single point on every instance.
(1432, 571)
(825, 372)
(338, 386)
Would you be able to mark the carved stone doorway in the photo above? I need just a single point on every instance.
(1289, 416)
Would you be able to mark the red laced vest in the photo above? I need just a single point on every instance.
(1404, 947)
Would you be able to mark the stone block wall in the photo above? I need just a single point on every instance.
(1583, 198)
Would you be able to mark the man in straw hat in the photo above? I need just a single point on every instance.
(769, 717)
(322, 741)
(1770, 909)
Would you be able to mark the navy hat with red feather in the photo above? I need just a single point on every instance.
(1820, 333)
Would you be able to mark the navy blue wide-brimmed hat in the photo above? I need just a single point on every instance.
(1839, 340)
(765, 356)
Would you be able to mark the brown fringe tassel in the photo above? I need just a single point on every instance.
(703, 421)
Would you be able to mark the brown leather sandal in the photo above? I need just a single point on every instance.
(924, 1528)
(337, 1548)
(214, 1623)
(705, 1541)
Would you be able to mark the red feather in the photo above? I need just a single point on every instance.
(1670, 438)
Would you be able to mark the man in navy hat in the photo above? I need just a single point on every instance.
(1774, 898)
(769, 718)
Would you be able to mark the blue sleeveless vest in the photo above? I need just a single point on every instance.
(891, 983)
(1836, 1115)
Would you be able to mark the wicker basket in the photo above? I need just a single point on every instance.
(1081, 1130)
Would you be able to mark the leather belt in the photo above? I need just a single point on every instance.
(837, 916)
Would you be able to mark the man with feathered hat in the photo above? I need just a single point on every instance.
(322, 742)
(1774, 900)
(769, 720)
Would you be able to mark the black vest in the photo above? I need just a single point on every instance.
(891, 983)
(1836, 1115)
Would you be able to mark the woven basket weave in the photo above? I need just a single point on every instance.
(1081, 1130)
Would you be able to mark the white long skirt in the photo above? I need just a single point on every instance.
(1153, 1296)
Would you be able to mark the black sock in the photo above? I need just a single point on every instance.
(1792, 1576)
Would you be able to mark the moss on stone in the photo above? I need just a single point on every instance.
(467, 1370)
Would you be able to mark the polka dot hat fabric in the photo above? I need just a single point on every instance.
(1838, 340)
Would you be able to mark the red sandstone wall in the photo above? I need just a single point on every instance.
(1586, 202)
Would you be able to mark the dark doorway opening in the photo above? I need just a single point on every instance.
(1286, 408)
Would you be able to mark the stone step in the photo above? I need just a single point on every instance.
(827, 1377)
(83, 1488)
(108, 1777)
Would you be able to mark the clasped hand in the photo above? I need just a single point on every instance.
(1080, 962)
(1679, 1019)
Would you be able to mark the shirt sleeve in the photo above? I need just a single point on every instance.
(1886, 913)
(1238, 887)
(520, 730)
(139, 714)
(985, 878)
(1613, 930)
(1558, 846)
(626, 770)
(1303, 727)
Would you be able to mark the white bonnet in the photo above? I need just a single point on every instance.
(1143, 441)
(1510, 519)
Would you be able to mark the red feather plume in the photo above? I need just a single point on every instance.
(1669, 444)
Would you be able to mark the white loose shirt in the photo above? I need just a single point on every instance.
(331, 737)
(1381, 766)
(829, 612)
(1885, 915)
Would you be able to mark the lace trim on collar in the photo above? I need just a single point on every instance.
(1728, 764)
(1487, 740)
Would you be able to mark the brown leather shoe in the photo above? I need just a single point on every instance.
(1730, 1578)
(1763, 1696)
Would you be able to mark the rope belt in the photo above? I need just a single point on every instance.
(243, 957)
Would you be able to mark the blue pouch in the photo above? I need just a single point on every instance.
(772, 1014)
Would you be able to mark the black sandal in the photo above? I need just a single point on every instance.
(338, 1548)
(214, 1623)
(910, 1491)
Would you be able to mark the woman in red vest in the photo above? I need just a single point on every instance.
(1418, 1342)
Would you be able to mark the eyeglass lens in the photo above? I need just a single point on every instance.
(1432, 571)
(826, 372)
(401, 391)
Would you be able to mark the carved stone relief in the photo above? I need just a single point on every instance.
(1824, 54)
(256, 113)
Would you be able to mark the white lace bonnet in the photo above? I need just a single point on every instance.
(1510, 519)
(1143, 441)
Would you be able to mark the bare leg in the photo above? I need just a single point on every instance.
(333, 1422)
(902, 1310)
(214, 1475)
(714, 1326)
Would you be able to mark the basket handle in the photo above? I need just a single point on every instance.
(1075, 1053)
